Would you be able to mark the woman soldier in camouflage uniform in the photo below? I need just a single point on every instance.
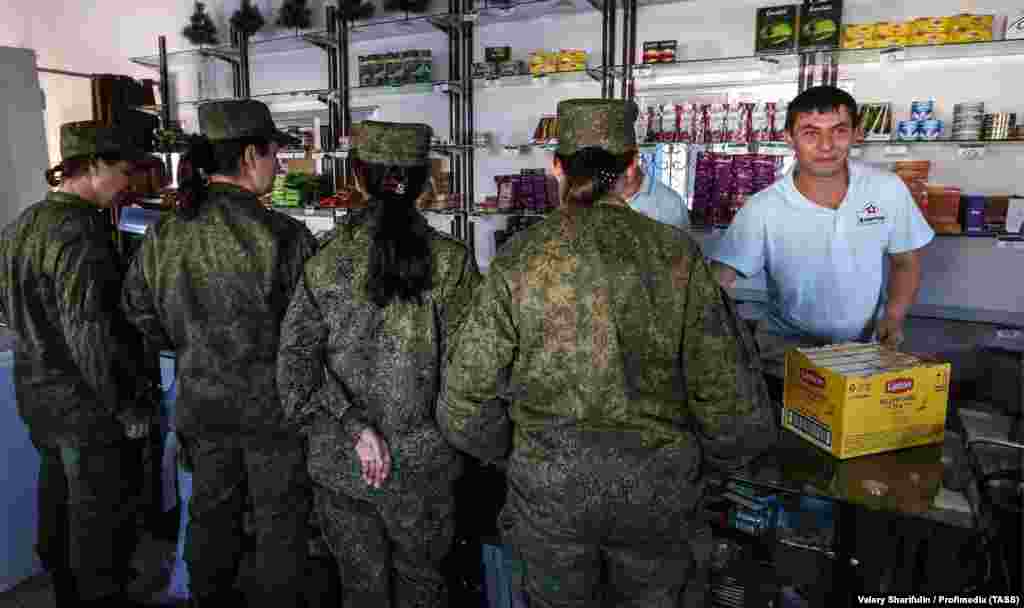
(600, 347)
(360, 366)
(78, 369)
(213, 283)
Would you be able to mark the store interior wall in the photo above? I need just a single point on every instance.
(104, 36)
(23, 147)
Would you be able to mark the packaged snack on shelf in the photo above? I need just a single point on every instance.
(394, 74)
(379, 70)
(876, 121)
(776, 29)
(572, 60)
(893, 29)
(424, 68)
(543, 62)
(744, 130)
(931, 25)
(929, 39)
(485, 70)
(512, 68)
(820, 22)
(967, 22)
(652, 52)
(973, 210)
(682, 130)
(497, 54)
(780, 111)
(366, 76)
(995, 213)
(966, 36)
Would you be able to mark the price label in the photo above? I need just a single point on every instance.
(971, 152)
(896, 150)
(856, 152)
(893, 55)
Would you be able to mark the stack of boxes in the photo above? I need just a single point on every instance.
(396, 68)
(532, 191)
(957, 29)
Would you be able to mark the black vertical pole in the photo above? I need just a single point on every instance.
(606, 58)
(333, 122)
(236, 72)
(344, 89)
(470, 128)
(634, 9)
(165, 100)
(243, 51)
(627, 45)
(613, 16)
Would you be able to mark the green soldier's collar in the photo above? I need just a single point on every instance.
(67, 198)
(235, 194)
(614, 200)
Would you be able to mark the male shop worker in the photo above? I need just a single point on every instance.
(651, 197)
(822, 234)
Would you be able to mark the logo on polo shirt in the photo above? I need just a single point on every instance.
(870, 214)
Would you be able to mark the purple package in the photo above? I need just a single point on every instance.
(974, 212)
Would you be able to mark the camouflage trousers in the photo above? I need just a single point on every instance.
(389, 553)
(601, 526)
(86, 531)
(270, 476)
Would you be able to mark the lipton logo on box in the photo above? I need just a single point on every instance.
(812, 378)
(900, 385)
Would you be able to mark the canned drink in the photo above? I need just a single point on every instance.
(908, 130)
(931, 129)
(922, 110)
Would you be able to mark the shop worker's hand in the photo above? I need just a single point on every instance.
(374, 457)
(135, 426)
(890, 332)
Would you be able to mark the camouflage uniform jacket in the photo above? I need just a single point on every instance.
(214, 289)
(76, 357)
(346, 364)
(598, 321)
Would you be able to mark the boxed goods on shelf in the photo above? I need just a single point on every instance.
(660, 51)
(530, 191)
(723, 183)
(546, 131)
(956, 29)
(820, 24)
(995, 213)
(972, 207)
(914, 174)
(497, 54)
(943, 211)
(551, 61)
(396, 68)
(858, 399)
(875, 121)
(702, 123)
(776, 29)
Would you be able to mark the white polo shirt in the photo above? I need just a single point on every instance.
(659, 202)
(825, 268)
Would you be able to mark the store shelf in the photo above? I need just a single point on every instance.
(945, 142)
(579, 77)
(269, 97)
(763, 67)
(506, 213)
(418, 88)
(266, 44)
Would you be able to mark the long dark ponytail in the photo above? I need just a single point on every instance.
(205, 158)
(400, 264)
(590, 174)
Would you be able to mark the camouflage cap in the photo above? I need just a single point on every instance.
(602, 123)
(392, 143)
(238, 118)
(127, 139)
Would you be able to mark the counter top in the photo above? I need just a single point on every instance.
(905, 482)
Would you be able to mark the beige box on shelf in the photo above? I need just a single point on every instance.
(857, 399)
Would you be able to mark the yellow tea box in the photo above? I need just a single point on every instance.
(857, 399)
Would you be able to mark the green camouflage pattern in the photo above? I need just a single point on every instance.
(392, 143)
(600, 359)
(345, 365)
(214, 290)
(389, 554)
(78, 364)
(267, 480)
(86, 526)
(92, 138)
(603, 509)
(602, 123)
(238, 118)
